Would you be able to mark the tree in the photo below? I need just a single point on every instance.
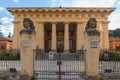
(9, 35)
(114, 33)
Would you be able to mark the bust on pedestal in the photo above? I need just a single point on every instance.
(91, 44)
(27, 44)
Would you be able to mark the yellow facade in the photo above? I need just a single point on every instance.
(64, 26)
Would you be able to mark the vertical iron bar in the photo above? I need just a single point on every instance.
(59, 66)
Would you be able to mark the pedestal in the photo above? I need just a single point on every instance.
(91, 44)
(26, 53)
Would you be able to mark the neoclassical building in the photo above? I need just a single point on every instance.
(61, 26)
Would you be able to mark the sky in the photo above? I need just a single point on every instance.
(7, 18)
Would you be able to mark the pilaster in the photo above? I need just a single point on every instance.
(105, 36)
(40, 35)
(15, 35)
(54, 37)
(79, 38)
(66, 38)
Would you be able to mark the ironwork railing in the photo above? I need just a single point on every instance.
(10, 59)
(70, 66)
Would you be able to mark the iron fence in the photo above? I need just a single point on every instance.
(59, 66)
(10, 59)
(109, 61)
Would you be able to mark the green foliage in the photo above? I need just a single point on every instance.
(33, 78)
(4, 55)
(114, 33)
(5, 78)
(9, 35)
(1, 35)
(113, 56)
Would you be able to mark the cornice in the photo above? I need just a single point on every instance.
(63, 9)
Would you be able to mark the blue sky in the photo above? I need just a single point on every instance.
(7, 18)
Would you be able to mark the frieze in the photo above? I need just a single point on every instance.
(60, 12)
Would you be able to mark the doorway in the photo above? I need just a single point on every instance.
(60, 45)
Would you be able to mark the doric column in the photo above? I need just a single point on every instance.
(40, 35)
(54, 37)
(105, 36)
(66, 38)
(101, 30)
(16, 34)
(79, 37)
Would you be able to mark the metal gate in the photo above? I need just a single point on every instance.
(59, 66)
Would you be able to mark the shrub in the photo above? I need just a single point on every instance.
(4, 55)
(113, 56)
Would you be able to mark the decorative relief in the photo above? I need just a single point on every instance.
(44, 15)
(57, 15)
(50, 15)
(63, 15)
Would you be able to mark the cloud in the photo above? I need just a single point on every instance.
(118, 2)
(57, 3)
(1, 8)
(7, 25)
(92, 3)
(114, 19)
(53, 3)
(15, 1)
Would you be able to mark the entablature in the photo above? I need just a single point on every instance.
(61, 9)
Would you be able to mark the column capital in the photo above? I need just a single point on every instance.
(54, 22)
(66, 22)
(79, 22)
(105, 22)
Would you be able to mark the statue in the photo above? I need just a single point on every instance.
(29, 27)
(91, 24)
(91, 27)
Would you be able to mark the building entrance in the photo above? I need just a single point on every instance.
(60, 45)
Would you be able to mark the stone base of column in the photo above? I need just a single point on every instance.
(66, 51)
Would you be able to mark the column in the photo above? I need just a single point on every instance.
(40, 35)
(15, 38)
(54, 37)
(105, 36)
(101, 29)
(66, 38)
(79, 37)
(19, 28)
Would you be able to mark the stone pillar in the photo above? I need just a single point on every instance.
(54, 37)
(40, 35)
(66, 38)
(105, 36)
(100, 28)
(27, 44)
(79, 33)
(20, 27)
(91, 45)
(15, 35)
